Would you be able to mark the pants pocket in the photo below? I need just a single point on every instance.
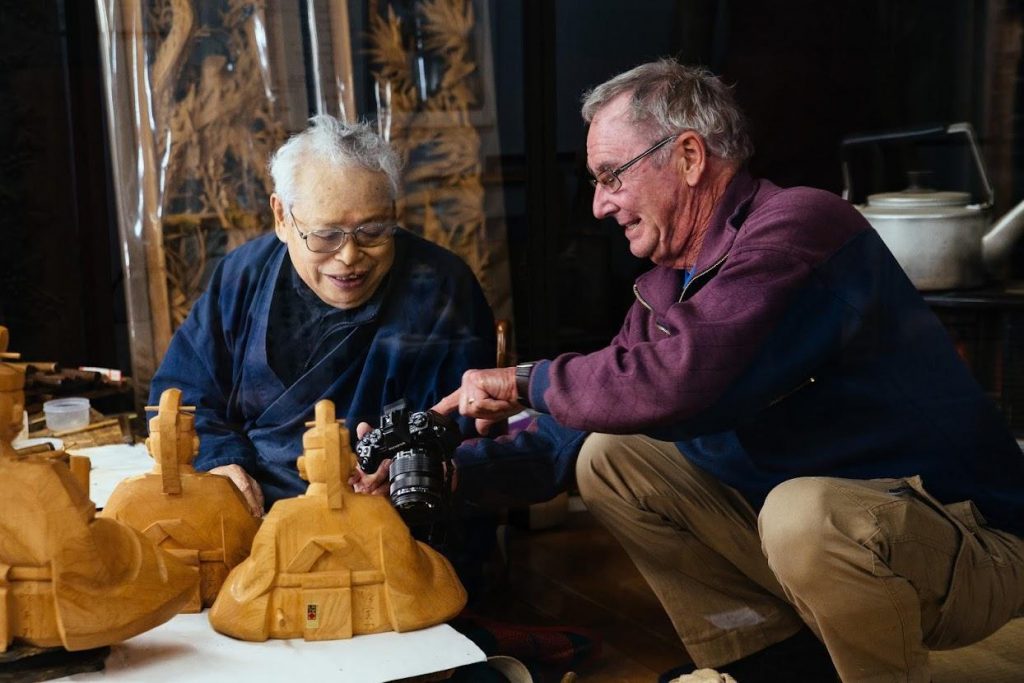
(970, 610)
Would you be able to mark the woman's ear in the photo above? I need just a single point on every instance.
(691, 158)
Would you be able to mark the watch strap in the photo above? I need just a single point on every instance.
(523, 371)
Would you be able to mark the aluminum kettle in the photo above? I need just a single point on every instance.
(940, 238)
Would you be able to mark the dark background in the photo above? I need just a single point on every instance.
(807, 73)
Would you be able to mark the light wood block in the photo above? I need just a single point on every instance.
(67, 578)
(202, 519)
(334, 563)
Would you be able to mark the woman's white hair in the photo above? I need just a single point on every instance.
(667, 97)
(338, 143)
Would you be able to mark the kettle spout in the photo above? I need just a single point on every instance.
(999, 240)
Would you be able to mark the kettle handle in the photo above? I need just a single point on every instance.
(963, 128)
(899, 134)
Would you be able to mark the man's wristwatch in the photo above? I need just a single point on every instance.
(523, 371)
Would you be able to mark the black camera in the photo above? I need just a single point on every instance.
(420, 446)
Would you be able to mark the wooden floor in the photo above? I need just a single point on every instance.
(576, 575)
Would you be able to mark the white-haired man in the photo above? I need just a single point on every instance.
(338, 303)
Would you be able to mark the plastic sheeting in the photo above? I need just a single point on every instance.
(199, 94)
(433, 82)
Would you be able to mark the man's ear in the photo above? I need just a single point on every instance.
(692, 158)
(277, 207)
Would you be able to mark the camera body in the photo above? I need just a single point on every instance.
(420, 446)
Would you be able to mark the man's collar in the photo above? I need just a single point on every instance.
(727, 218)
(660, 286)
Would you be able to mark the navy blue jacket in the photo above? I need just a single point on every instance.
(412, 340)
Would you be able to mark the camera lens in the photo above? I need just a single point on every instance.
(417, 482)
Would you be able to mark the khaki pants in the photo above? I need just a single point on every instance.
(878, 569)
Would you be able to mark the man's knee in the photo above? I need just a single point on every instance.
(595, 463)
(796, 528)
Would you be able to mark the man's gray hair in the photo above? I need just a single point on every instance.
(668, 97)
(338, 143)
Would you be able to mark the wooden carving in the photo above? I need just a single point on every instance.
(66, 577)
(332, 563)
(202, 519)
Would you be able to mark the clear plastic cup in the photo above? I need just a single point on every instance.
(66, 413)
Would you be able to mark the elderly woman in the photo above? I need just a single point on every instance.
(339, 303)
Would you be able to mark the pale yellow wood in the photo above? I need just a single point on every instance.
(200, 518)
(34, 366)
(101, 424)
(110, 431)
(80, 466)
(12, 396)
(66, 577)
(331, 440)
(323, 572)
(165, 450)
(36, 449)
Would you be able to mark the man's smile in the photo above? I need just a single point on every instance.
(347, 281)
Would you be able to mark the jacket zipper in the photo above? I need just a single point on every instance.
(806, 382)
(636, 289)
(636, 293)
(682, 295)
(693, 279)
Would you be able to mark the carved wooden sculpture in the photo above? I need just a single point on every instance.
(333, 563)
(67, 578)
(202, 519)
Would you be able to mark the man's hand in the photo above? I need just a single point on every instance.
(375, 484)
(247, 485)
(487, 395)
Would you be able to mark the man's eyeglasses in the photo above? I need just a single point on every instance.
(611, 181)
(330, 240)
